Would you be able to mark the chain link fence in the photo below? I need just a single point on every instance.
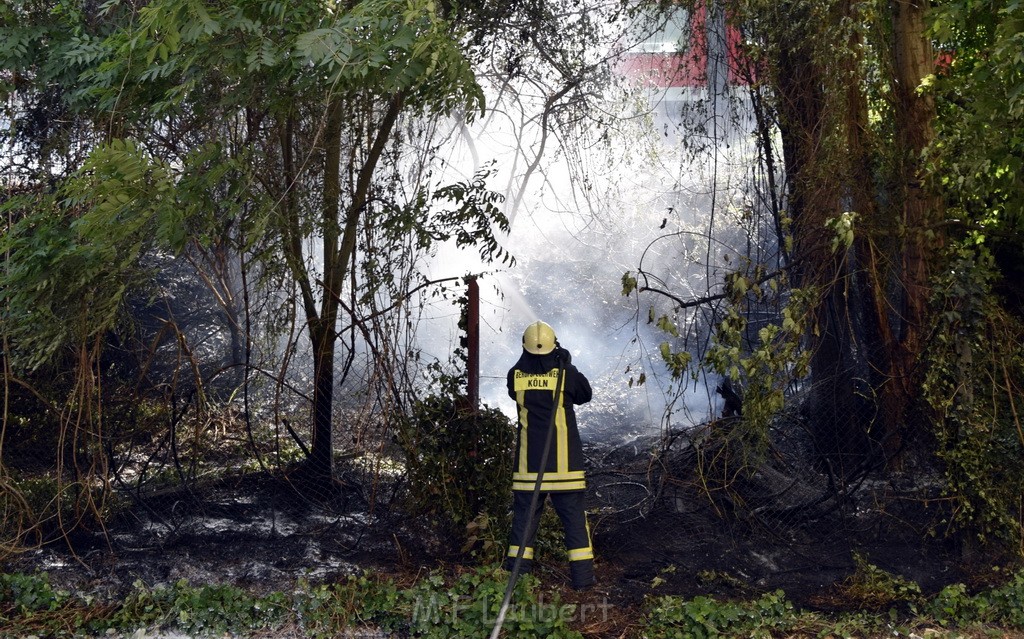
(181, 453)
(175, 489)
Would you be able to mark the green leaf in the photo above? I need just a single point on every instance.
(629, 285)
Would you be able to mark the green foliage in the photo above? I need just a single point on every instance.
(469, 607)
(152, 68)
(771, 615)
(50, 43)
(466, 603)
(206, 610)
(1001, 606)
(773, 360)
(321, 610)
(44, 499)
(465, 212)
(705, 617)
(841, 228)
(74, 256)
(459, 462)
(31, 606)
(435, 607)
(979, 150)
(549, 544)
(873, 589)
(476, 212)
(973, 367)
(487, 537)
(30, 593)
(629, 284)
(394, 45)
(162, 61)
(53, 292)
(954, 606)
(762, 367)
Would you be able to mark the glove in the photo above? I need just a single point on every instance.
(563, 356)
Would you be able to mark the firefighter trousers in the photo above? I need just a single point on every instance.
(569, 506)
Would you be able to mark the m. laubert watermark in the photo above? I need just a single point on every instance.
(432, 611)
(364, 633)
(435, 611)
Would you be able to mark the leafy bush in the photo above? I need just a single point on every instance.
(459, 462)
(322, 610)
(1006, 603)
(954, 606)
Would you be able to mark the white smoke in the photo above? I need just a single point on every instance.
(583, 213)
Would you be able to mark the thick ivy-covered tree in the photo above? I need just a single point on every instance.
(831, 64)
(884, 111)
(895, 218)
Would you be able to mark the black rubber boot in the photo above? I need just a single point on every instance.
(582, 573)
(525, 566)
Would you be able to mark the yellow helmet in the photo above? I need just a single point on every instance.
(539, 338)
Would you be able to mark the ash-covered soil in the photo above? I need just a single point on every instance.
(658, 528)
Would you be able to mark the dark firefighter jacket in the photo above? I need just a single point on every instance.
(531, 382)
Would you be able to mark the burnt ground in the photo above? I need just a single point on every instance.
(653, 520)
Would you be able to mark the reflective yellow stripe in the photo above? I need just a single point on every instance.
(520, 399)
(572, 475)
(550, 486)
(562, 431)
(573, 480)
(579, 554)
(513, 551)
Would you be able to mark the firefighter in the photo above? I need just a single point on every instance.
(531, 383)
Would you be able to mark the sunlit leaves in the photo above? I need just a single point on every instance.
(776, 358)
(841, 228)
(666, 325)
(979, 149)
(677, 361)
(393, 46)
(379, 46)
(736, 285)
(73, 256)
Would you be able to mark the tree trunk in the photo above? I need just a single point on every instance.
(320, 463)
(322, 327)
(339, 247)
(815, 192)
(872, 328)
(915, 114)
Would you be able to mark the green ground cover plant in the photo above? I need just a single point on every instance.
(464, 603)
